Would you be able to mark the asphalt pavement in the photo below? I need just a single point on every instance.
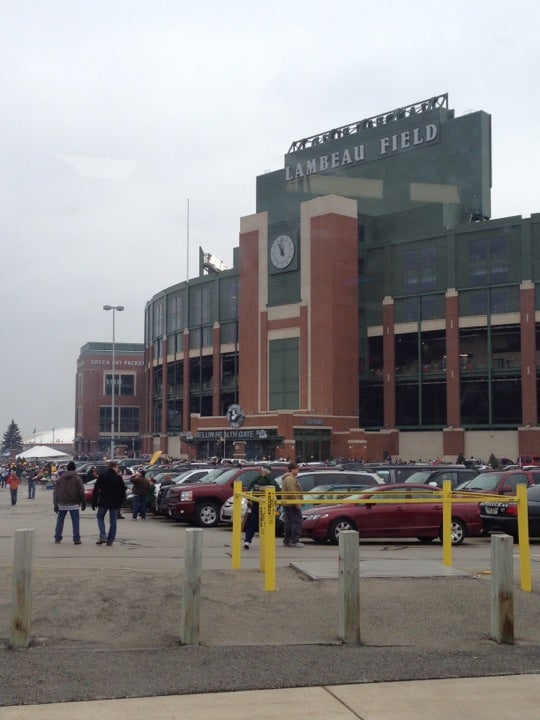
(105, 630)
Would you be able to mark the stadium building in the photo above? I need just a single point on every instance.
(373, 308)
(93, 399)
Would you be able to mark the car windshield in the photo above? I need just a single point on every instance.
(485, 481)
(419, 477)
(219, 477)
(317, 490)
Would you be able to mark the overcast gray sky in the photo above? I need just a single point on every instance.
(114, 113)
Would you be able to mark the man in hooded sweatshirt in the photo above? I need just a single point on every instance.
(68, 496)
(108, 496)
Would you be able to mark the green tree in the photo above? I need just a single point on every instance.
(12, 438)
(493, 462)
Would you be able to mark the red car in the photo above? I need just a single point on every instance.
(392, 519)
(501, 482)
(88, 490)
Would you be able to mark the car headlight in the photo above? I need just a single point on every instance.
(186, 495)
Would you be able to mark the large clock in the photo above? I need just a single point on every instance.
(282, 251)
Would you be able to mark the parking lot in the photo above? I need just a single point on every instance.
(157, 543)
(110, 608)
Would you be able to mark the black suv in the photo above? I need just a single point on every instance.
(83, 470)
(457, 474)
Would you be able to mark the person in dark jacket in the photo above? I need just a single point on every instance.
(108, 496)
(140, 487)
(258, 484)
(68, 496)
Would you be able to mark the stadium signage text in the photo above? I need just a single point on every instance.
(383, 147)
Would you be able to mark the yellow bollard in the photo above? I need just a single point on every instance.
(263, 524)
(237, 525)
(269, 511)
(523, 532)
(447, 523)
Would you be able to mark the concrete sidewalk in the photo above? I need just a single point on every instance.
(503, 698)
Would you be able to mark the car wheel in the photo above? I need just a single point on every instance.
(458, 532)
(339, 526)
(207, 514)
(426, 539)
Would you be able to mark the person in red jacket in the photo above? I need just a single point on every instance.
(14, 481)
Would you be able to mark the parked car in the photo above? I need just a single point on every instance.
(392, 519)
(132, 462)
(501, 482)
(328, 492)
(83, 470)
(500, 516)
(396, 473)
(438, 475)
(201, 503)
(310, 479)
(88, 490)
(184, 478)
(528, 460)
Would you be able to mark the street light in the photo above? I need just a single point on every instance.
(114, 308)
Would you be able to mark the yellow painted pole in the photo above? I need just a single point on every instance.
(523, 532)
(270, 538)
(447, 523)
(237, 525)
(263, 526)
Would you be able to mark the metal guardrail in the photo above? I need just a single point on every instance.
(390, 116)
(267, 511)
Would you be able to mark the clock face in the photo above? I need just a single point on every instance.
(282, 251)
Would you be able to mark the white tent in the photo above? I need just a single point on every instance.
(40, 452)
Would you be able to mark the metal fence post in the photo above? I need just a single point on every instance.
(447, 523)
(523, 535)
(502, 596)
(21, 616)
(237, 525)
(268, 511)
(349, 587)
(191, 598)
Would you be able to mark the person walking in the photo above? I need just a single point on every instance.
(68, 496)
(140, 488)
(292, 514)
(33, 477)
(258, 484)
(108, 495)
(13, 481)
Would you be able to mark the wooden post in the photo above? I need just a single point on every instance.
(21, 616)
(349, 587)
(191, 598)
(502, 596)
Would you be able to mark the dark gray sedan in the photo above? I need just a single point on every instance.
(501, 516)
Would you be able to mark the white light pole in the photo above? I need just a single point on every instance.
(114, 308)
